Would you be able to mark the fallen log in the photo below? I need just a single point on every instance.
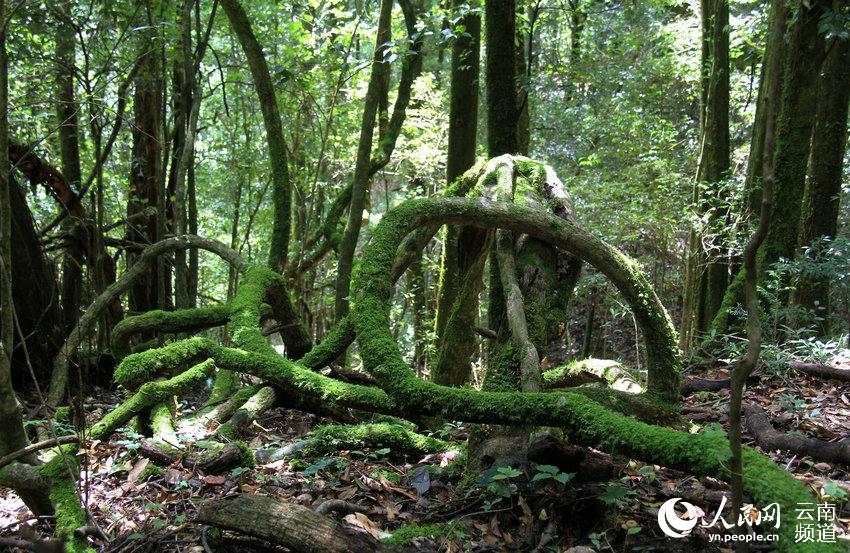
(293, 526)
(821, 370)
(771, 439)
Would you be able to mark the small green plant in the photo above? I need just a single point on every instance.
(648, 472)
(551, 472)
(372, 455)
(325, 464)
(445, 432)
(833, 492)
(496, 484)
(616, 494)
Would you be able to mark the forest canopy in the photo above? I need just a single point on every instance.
(499, 275)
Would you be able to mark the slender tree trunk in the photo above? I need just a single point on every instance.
(274, 131)
(360, 192)
(819, 218)
(452, 367)
(707, 271)
(69, 146)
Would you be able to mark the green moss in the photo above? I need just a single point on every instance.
(151, 471)
(326, 439)
(62, 472)
(405, 535)
(62, 414)
(223, 387)
(503, 369)
(248, 459)
(171, 322)
(153, 393)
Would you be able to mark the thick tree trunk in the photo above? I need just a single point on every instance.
(804, 53)
(819, 218)
(36, 302)
(500, 24)
(13, 437)
(276, 144)
(766, 107)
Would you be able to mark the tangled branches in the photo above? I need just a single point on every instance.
(590, 419)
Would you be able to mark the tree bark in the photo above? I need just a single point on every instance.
(69, 147)
(146, 173)
(463, 248)
(500, 25)
(13, 437)
(707, 270)
(819, 218)
(804, 52)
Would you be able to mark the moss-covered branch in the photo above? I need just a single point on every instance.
(584, 420)
(329, 438)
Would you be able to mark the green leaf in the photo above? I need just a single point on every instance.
(319, 466)
(551, 469)
(564, 477)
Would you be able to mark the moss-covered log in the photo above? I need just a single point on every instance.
(294, 526)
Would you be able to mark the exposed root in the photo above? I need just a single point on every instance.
(220, 460)
(263, 400)
(325, 439)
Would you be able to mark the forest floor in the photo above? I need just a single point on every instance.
(144, 510)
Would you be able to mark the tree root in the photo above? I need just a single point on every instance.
(296, 527)
(820, 370)
(770, 439)
(584, 421)
(264, 399)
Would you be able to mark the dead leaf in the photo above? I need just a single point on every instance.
(363, 522)
(173, 476)
(214, 480)
(392, 510)
(137, 469)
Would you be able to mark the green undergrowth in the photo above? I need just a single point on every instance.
(404, 536)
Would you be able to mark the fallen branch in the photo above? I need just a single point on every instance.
(38, 446)
(294, 526)
(770, 439)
